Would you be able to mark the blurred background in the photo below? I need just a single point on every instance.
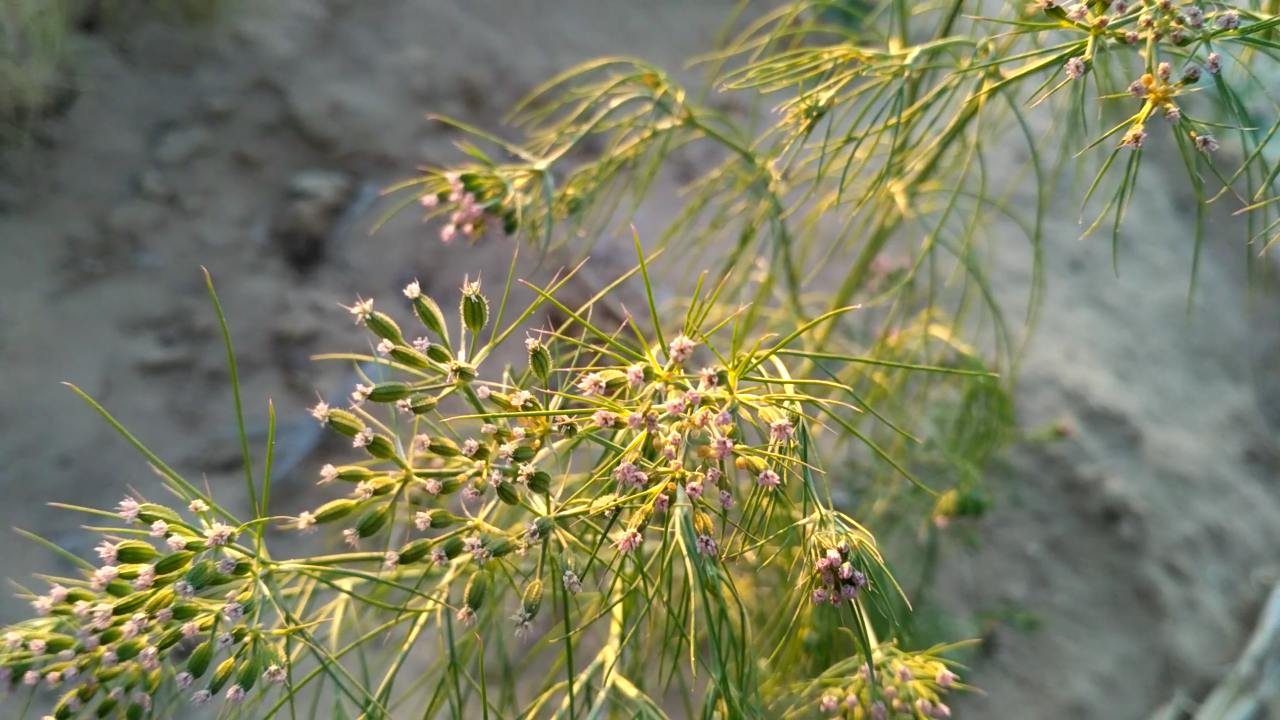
(1129, 546)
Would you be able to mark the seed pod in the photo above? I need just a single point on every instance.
(476, 590)
(429, 314)
(464, 372)
(135, 712)
(475, 308)
(129, 572)
(406, 355)
(383, 326)
(195, 544)
(440, 519)
(129, 605)
(499, 546)
(110, 635)
(119, 589)
(186, 611)
(540, 482)
(507, 494)
(129, 649)
(545, 526)
(415, 551)
(613, 380)
(373, 520)
(221, 675)
(389, 391)
(173, 562)
(171, 637)
(972, 503)
(105, 707)
(442, 446)
(150, 512)
(502, 400)
(523, 454)
(66, 707)
(449, 486)
(135, 551)
(539, 359)
(439, 353)
(452, 547)
(250, 669)
(640, 518)
(335, 510)
(345, 423)
(162, 599)
(531, 602)
(423, 404)
(78, 594)
(750, 463)
(702, 523)
(381, 447)
(58, 643)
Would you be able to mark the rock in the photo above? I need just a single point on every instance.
(153, 186)
(181, 145)
(316, 200)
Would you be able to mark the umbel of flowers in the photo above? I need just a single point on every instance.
(608, 470)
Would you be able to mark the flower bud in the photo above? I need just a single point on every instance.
(335, 510)
(384, 327)
(475, 308)
(429, 314)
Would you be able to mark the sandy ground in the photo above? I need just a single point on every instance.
(1141, 544)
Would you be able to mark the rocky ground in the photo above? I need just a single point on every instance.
(1121, 563)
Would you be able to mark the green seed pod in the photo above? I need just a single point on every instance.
(106, 707)
(415, 551)
(432, 318)
(78, 594)
(502, 400)
(507, 493)
(66, 707)
(389, 391)
(613, 380)
(452, 547)
(119, 589)
(439, 519)
(640, 518)
(250, 669)
(463, 372)
(449, 486)
(523, 454)
(406, 355)
(200, 659)
(186, 611)
(150, 512)
(58, 643)
(129, 649)
(531, 601)
(345, 423)
(202, 573)
(442, 446)
(477, 589)
(373, 520)
(135, 551)
(751, 464)
(384, 327)
(499, 546)
(972, 503)
(423, 404)
(475, 308)
(174, 562)
(545, 526)
(540, 482)
(221, 675)
(171, 637)
(131, 571)
(129, 605)
(110, 635)
(335, 510)
(539, 358)
(439, 353)
(162, 599)
(381, 447)
(195, 544)
(135, 712)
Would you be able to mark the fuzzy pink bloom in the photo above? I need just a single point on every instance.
(769, 479)
(629, 540)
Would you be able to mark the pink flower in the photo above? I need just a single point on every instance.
(768, 479)
(629, 540)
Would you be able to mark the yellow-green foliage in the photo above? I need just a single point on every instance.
(33, 60)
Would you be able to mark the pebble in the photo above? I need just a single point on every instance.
(303, 227)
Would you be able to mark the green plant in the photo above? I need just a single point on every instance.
(679, 515)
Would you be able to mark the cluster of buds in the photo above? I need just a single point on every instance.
(901, 686)
(1158, 91)
(836, 577)
(103, 639)
(472, 201)
(1178, 23)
